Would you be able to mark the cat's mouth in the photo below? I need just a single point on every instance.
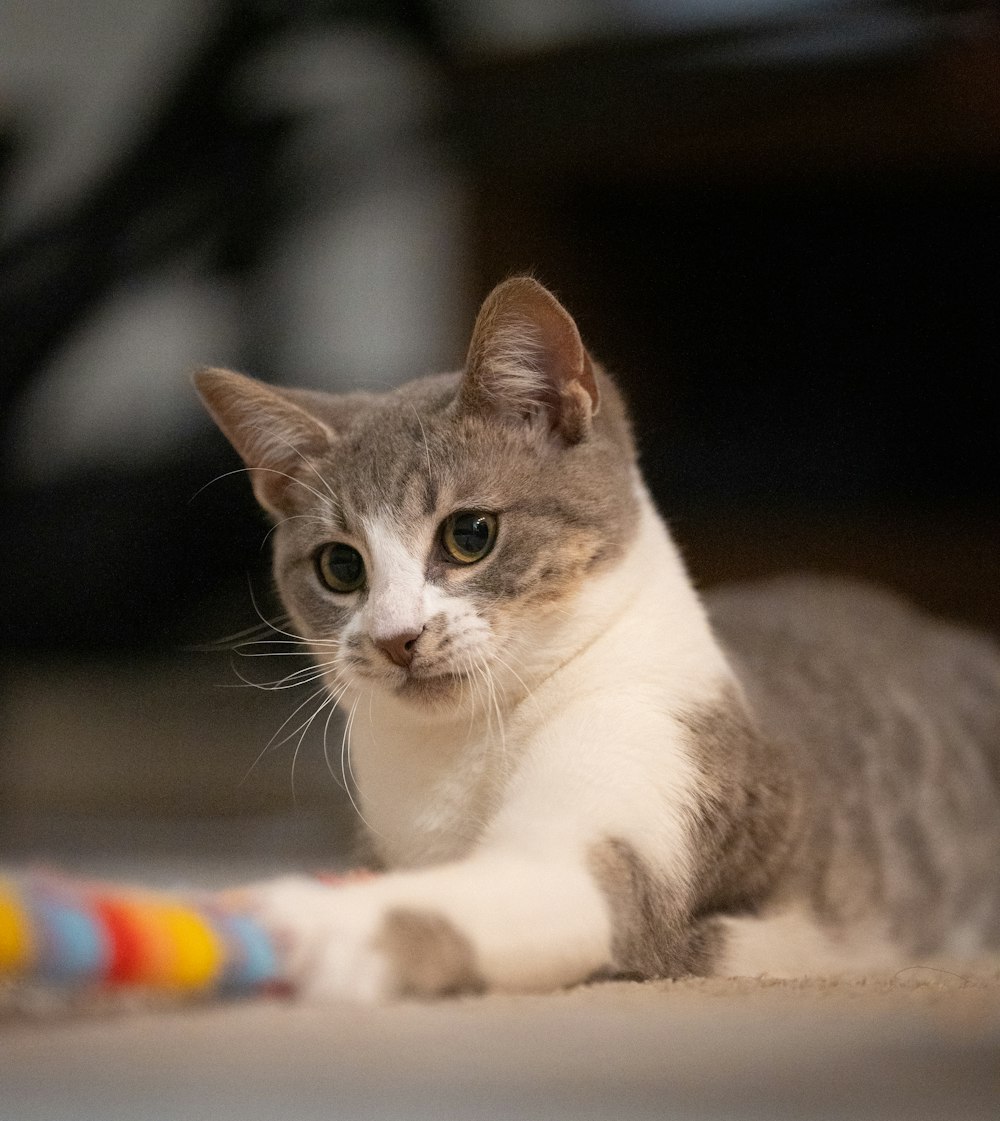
(431, 688)
(420, 687)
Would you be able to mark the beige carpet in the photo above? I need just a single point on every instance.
(922, 1045)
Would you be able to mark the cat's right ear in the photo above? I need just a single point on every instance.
(275, 437)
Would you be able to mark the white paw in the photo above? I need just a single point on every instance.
(324, 937)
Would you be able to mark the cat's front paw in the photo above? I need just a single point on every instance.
(324, 937)
(358, 943)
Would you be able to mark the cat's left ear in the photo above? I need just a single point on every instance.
(274, 436)
(527, 362)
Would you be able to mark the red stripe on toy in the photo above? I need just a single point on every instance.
(126, 940)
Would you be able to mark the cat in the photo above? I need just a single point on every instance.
(569, 764)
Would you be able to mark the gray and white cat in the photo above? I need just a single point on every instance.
(566, 768)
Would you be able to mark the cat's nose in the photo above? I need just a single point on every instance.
(399, 647)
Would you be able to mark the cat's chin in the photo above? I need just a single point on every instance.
(434, 690)
(441, 689)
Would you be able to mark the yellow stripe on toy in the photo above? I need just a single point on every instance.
(198, 953)
(16, 945)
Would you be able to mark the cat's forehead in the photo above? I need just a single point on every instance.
(410, 453)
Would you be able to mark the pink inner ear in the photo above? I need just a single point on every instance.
(265, 427)
(526, 354)
(568, 360)
(273, 435)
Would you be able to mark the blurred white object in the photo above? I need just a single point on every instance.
(119, 392)
(524, 25)
(366, 293)
(362, 287)
(80, 82)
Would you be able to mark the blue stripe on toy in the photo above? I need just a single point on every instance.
(72, 946)
(253, 961)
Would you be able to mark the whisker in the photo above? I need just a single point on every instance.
(298, 747)
(298, 642)
(423, 433)
(238, 636)
(271, 471)
(466, 679)
(311, 672)
(482, 697)
(517, 677)
(326, 731)
(350, 765)
(288, 719)
(292, 518)
(494, 700)
(278, 630)
(271, 742)
(475, 697)
(263, 619)
(345, 765)
(309, 463)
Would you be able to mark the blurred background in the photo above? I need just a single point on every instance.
(776, 221)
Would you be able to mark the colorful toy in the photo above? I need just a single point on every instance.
(73, 934)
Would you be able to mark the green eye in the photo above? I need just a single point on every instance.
(340, 567)
(468, 535)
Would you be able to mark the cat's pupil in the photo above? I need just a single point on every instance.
(341, 567)
(469, 535)
(471, 532)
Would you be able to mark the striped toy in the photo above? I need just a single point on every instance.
(76, 934)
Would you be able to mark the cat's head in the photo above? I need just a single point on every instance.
(436, 537)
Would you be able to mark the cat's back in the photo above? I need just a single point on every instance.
(822, 654)
(894, 719)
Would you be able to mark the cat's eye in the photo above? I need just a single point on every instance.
(340, 567)
(468, 535)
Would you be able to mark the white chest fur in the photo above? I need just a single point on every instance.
(636, 641)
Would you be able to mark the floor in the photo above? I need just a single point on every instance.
(138, 772)
(922, 1046)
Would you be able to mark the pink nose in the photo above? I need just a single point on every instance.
(399, 647)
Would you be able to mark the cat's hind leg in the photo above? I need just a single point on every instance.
(794, 943)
